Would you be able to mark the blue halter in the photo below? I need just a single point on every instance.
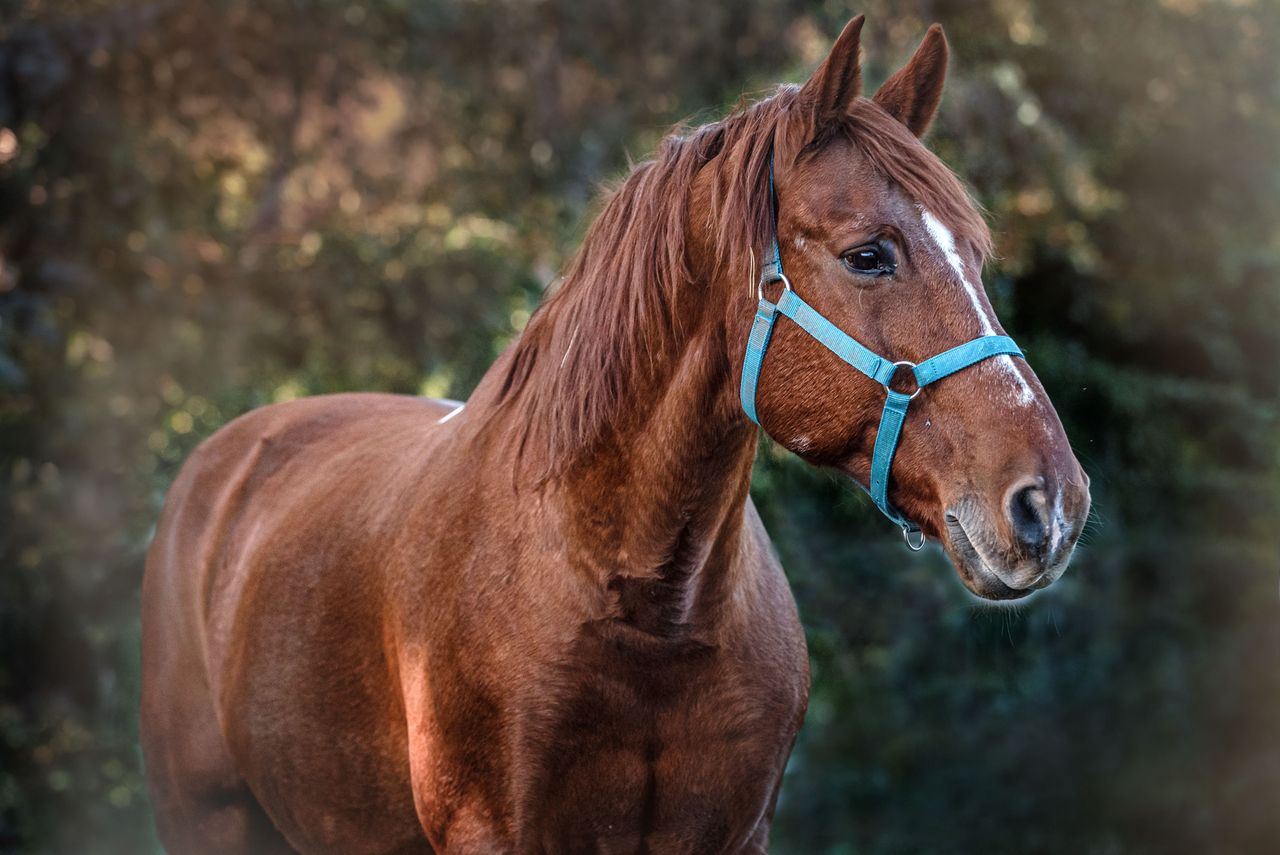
(868, 362)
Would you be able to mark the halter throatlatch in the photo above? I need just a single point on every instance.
(863, 359)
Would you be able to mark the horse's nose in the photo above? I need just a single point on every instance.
(1029, 508)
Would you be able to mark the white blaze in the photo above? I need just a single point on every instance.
(1059, 527)
(947, 243)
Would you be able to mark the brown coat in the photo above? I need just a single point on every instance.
(552, 621)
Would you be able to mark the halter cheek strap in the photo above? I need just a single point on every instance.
(862, 359)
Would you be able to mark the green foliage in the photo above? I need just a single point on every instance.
(207, 206)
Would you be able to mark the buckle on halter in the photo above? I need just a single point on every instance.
(907, 531)
(777, 277)
(900, 364)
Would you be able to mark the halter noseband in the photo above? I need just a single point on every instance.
(863, 359)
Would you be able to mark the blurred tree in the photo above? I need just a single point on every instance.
(207, 206)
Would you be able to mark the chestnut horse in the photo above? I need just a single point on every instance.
(552, 621)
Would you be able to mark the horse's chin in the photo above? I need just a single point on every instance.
(983, 583)
(975, 572)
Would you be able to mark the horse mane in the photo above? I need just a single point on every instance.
(612, 324)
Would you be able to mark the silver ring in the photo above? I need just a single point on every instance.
(906, 535)
(782, 277)
(909, 364)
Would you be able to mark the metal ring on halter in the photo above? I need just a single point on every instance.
(908, 363)
(906, 535)
(781, 277)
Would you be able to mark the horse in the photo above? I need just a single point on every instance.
(550, 619)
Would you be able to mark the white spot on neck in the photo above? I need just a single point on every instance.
(568, 348)
(450, 414)
(947, 243)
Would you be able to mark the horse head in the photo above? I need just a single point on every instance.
(879, 238)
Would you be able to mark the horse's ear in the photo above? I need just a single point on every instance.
(911, 96)
(837, 83)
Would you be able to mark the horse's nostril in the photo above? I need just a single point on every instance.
(1029, 515)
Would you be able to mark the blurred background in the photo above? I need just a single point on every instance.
(209, 206)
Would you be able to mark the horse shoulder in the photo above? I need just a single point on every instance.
(274, 537)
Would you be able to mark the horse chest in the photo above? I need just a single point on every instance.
(682, 755)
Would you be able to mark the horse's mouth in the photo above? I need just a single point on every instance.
(976, 571)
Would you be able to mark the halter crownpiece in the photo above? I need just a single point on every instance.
(866, 361)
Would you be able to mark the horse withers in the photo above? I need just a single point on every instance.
(551, 621)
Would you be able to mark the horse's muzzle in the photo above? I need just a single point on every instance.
(1008, 549)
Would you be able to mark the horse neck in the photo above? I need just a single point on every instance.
(657, 506)
(653, 500)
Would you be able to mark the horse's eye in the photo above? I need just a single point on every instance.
(870, 260)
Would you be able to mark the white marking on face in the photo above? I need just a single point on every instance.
(450, 415)
(799, 242)
(802, 443)
(947, 243)
(1060, 527)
